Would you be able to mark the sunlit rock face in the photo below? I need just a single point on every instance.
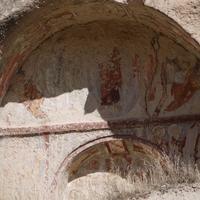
(84, 83)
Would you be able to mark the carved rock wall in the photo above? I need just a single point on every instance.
(82, 82)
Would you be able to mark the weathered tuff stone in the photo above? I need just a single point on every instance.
(84, 81)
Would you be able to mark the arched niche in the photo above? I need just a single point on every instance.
(95, 61)
(97, 162)
(77, 65)
(89, 73)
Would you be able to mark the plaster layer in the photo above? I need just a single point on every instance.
(39, 163)
(41, 24)
(102, 71)
(76, 75)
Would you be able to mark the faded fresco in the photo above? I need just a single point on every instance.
(88, 83)
(45, 155)
(128, 148)
(99, 161)
(95, 76)
(111, 79)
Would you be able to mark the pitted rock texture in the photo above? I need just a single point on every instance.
(15, 8)
(185, 13)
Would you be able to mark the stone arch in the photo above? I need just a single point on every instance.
(123, 152)
(34, 30)
(54, 65)
(136, 39)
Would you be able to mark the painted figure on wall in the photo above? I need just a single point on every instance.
(150, 68)
(147, 77)
(179, 82)
(183, 92)
(177, 139)
(26, 92)
(111, 79)
(35, 100)
(158, 133)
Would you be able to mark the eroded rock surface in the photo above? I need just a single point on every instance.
(85, 81)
